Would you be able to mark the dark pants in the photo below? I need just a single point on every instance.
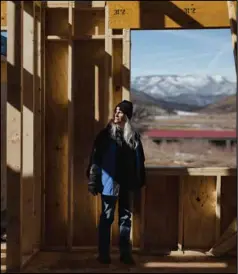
(107, 218)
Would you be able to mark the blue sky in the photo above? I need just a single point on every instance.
(180, 52)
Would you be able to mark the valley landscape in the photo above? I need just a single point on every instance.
(171, 102)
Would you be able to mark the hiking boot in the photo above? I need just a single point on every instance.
(127, 259)
(104, 259)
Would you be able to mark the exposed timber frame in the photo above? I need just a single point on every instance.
(65, 75)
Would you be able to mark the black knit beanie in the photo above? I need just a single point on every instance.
(126, 107)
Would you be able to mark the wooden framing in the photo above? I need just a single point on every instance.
(64, 79)
(14, 152)
(168, 14)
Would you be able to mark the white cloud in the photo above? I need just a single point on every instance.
(225, 48)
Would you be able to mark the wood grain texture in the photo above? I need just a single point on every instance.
(167, 14)
(161, 212)
(28, 179)
(3, 136)
(199, 212)
(56, 143)
(3, 14)
(93, 22)
(117, 72)
(87, 56)
(14, 135)
(228, 201)
(57, 22)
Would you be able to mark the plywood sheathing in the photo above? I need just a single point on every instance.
(199, 199)
(228, 201)
(161, 213)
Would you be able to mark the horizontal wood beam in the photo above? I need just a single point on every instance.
(83, 5)
(167, 14)
(82, 37)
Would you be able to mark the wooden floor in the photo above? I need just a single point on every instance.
(85, 262)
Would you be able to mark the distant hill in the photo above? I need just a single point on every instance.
(145, 106)
(227, 104)
(158, 106)
(187, 93)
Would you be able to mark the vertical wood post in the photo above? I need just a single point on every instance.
(218, 206)
(108, 69)
(126, 64)
(232, 12)
(70, 124)
(14, 135)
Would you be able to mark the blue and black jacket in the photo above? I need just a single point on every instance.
(113, 162)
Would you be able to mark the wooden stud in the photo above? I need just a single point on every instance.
(57, 22)
(88, 56)
(37, 206)
(14, 135)
(117, 71)
(181, 215)
(70, 126)
(93, 22)
(126, 64)
(108, 69)
(3, 15)
(142, 225)
(56, 142)
(82, 5)
(97, 95)
(232, 13)
(56, 137)
(218, 207)
(28, 180)
(3, 135)
(42, 85)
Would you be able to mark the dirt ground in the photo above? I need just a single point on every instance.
(85, 262)
(201, 121)
(188, 153)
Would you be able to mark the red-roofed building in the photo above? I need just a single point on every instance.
(227, 136)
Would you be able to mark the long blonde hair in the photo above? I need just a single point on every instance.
(129, 134)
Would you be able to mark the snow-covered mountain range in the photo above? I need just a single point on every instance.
(183, 92)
